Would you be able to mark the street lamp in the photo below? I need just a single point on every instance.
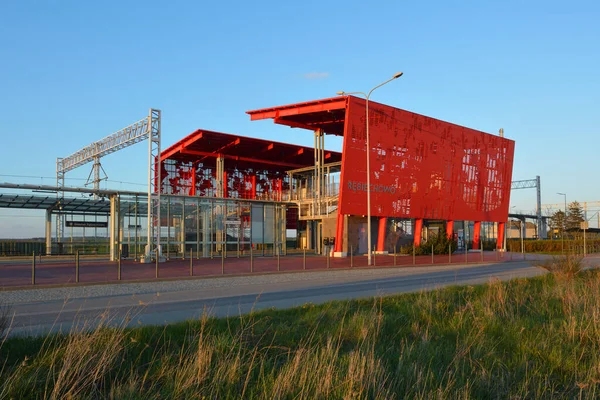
(564, 223)
(367, 96)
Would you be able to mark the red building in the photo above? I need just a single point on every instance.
(251, 192)
(420, 168)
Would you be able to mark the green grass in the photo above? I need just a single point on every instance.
(534, 338)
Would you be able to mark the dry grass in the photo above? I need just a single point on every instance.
(567, 265)
(537, 338)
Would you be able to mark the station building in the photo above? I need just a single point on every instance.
(224, 192)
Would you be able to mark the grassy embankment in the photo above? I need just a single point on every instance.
(526, 338)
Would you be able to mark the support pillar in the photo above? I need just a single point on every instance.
(113, 226)
(381, 234)
(253, 180)
(417, 232)
(309, 235)
(48, 232)
(338, 247)
(194, 172)
(500, 240)
(279, 189)
(450, 229)
(476, 234)
(206, 230)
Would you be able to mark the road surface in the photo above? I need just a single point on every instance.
(37, 311)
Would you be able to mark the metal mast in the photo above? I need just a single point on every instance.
(146, 128)
(528, 184)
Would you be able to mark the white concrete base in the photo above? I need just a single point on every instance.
(148, 260)
(380, 252)
(340, 254)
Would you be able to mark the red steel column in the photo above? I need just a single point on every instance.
(225, 184)
(500, 235)
(418, 229)
(381, 234)
(279, 189)
(253, 180)
(476, 233)
(339, 234)
(449, 229)
(193, 188)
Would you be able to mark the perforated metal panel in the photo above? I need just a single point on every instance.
(422, 167)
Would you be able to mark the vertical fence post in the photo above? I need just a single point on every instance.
(432, 253)
(374, 258)
(251, 259)
(481, 248)
(327, 255)
(466, 253)
(351, 250)
(33, 269)
(77, 266)
(191, 263)
(278, 262)
(394, 258)
(414, 255)
(156, 272)
(118, 266)
(304, 259)
(222, 262)
(450, 253)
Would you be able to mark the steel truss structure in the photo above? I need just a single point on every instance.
(591, 210)
(146, 128)
(530, 184)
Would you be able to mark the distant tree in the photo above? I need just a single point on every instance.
(574, 216)
(557, 223)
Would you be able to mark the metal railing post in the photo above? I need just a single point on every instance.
(466, 253)
(394, 258)
(432, 253)
(327, 255)
(222, 262)
(156, 274)
(304, 260)
(118, 266)
(33, 269)
(481, 249)
(191, 263)
(278, 263)
(450, 253)
(77, 266)
(251, 259)
(351, 250)
(414, 255)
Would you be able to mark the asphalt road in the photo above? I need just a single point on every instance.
(169, 302)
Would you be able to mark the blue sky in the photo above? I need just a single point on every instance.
(73, 72)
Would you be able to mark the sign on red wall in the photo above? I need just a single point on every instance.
(422, 167)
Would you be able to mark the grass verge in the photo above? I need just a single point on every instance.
(527, 338)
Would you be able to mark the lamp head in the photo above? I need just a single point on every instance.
(398, 75)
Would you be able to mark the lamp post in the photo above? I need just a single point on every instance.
(367, 96)
(564, 222)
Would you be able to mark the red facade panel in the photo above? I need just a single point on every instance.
(422, 167)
